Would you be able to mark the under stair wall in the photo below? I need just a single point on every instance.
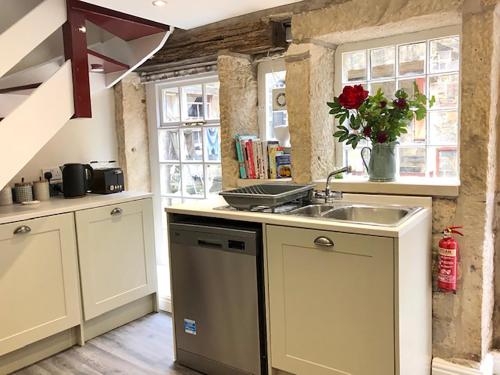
(38, 117)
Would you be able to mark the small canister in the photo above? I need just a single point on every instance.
(24, 192)
(6, 196)
(41, 190)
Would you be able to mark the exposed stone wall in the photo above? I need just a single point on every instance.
(462, 323)
(309, 85)
(238, 108)
(132, 133)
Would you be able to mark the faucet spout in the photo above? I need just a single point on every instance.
(347, 169)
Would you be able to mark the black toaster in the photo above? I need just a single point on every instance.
(107, 181)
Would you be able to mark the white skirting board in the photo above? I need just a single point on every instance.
(165, 304)
(442, 367)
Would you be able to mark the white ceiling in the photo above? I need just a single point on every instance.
(187, 14)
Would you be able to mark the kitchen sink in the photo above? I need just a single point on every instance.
(313, 210)
(358, 213)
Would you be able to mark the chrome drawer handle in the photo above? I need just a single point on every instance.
(116, 211)
(23, 229)
(323, 242)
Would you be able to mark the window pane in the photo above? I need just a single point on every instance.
(353, 158)
(170, 105)
(443, 127)
(212, 101)
(191, 144)
(444, 54)
(214, 178)
(443, 162)
(416, 133)
(354, 66)
(409, 85)
(192, 181)
(212, 144)
(170, 179)
(412, 161)
(445, 89)
(192, 103)
(382, 62)
(168, 144)
(412, 59)
(276, 112)
(388, 88)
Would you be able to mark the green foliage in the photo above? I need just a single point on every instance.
(379, 119)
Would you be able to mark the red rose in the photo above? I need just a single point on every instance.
(382, 137)
(367, 132)
(353, 96)
(400, 103)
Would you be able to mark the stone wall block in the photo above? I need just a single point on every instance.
(238, 109)
(372, 20)
(132, 133)
(309, 86)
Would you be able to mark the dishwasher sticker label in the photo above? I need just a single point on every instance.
(190, 326)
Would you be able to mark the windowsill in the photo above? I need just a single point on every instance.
(404, 186)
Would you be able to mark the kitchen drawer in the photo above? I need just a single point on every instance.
(331, 307)
(39, 289)
(117, 256)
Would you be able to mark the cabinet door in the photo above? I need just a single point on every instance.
(331, 308)
(116, 251)
(39, 289)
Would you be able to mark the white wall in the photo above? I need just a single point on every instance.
(80, 140)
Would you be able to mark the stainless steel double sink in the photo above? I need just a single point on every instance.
(371, 214)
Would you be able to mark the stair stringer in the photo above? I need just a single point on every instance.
(34, 122)
(133, 53)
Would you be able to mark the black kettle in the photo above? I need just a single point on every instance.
(77, 179)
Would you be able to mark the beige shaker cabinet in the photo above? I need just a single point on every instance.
(39, 288)
(333, 305)
(117, 256)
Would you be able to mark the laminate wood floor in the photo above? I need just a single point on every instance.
(144, 346)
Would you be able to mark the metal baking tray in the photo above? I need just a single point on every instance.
(266, 195)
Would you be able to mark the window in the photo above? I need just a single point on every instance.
(189, 140)
(431, 60)
(273, 114)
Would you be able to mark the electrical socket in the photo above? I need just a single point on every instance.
(56, 173)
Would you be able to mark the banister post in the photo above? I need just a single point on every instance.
(75, 49)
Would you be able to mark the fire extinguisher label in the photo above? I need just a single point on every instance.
(447, 252)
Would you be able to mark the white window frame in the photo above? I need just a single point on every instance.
(154, 116)
(398, 40)
(178, 126)
(263, 68)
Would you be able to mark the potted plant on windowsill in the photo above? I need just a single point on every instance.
(379, 120)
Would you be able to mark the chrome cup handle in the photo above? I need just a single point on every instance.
(116, 211)
(323, 242)
(23, 229)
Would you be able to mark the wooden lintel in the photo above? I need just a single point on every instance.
(75, 49)
(254, 37)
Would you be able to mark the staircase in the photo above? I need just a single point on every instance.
(36, 103)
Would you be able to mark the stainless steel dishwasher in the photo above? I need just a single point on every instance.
(218, 295)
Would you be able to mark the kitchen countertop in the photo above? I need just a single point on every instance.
(59, 205)
(209, 208)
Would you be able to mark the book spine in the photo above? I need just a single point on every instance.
(241, 157)
(272, 161)
(251, 164)
(265, 157)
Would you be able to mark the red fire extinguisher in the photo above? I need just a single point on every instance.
(448, 260)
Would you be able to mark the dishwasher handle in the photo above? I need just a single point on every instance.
(210, 243)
